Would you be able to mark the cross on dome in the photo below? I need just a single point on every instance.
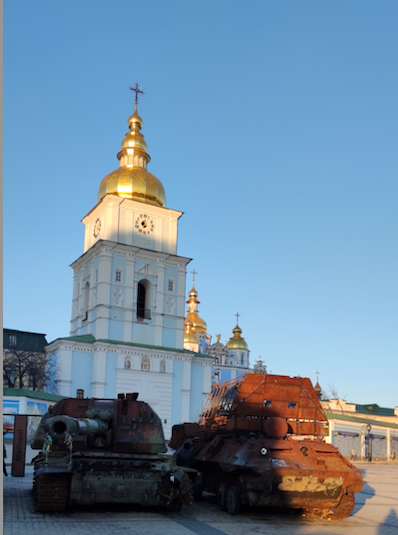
(137, 90)
(237, 317)
(193, 274)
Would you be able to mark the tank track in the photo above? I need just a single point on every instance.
(50, 492)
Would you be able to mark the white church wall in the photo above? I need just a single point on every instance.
(186, 390)
(98, 380)
(197, 384)
(176, 415)
(116, 329)
(110, 390)
(153, 388)
(81, 376)
(63, 360)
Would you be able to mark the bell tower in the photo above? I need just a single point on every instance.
(129, 284)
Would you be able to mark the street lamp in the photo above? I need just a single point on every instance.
(369, 428)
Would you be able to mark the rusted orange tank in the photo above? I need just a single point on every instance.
(260, 441)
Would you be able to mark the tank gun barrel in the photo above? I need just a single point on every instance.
(60, 426)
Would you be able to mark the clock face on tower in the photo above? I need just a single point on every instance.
(144, 224)
(97, 227)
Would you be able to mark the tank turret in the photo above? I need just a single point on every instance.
(106, 451)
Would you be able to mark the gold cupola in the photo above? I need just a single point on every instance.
(131, 179)
(189, 336)
(236, 341)
(198, 324)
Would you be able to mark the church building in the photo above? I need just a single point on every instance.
(129, 332)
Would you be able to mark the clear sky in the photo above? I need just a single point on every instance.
(273, 127)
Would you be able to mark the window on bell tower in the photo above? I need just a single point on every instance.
(86, 291)
(144, 291)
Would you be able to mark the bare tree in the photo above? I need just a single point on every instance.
(25, 369)
(333, 394)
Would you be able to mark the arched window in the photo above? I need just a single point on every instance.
(144, 291)
(145, 364)
(86, 292)
(170, 285)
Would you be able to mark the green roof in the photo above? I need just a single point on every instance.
(89, 339)
(25, 341)
(349, 418)
(31, 394)
(375, 410)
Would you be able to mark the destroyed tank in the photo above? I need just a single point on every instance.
(105, 451)
(260, 442)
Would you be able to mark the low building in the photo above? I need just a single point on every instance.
(21, 401)
(362, 430)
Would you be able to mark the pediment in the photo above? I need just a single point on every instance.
(146, 271)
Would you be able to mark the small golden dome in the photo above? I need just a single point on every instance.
(198, 324)
(131, 179)
(135, 119)
(193, 295)
(189, 336)
(237, 342)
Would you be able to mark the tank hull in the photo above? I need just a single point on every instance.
(276, 473)
(259, 441)
(144, 480)
(106, 451)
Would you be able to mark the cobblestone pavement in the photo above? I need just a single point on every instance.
(375, 513)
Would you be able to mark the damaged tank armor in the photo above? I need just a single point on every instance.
(106, 451)
(260, 441)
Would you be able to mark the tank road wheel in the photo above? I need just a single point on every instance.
(233, 500)
(222, 497)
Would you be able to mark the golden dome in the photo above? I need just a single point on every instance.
(134, 183)
(198, 324)
(189, 336)
(131, 179)
(193, 295)
(237, 342)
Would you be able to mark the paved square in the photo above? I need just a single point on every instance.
(375, 513)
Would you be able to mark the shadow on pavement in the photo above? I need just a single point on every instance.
(390, 524)
(367, 492)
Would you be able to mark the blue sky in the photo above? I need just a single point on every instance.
(273, 127)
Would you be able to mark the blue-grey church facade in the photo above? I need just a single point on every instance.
(129, 331)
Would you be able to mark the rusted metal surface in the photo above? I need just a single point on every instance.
(259, 441)
(19, 446)
(248, 402)
(106, 451)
